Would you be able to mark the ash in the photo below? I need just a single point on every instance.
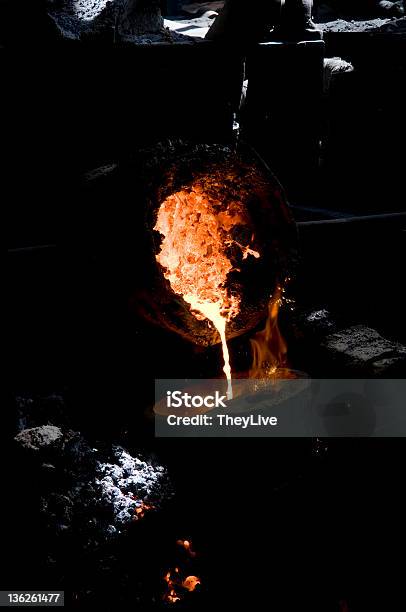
(126, 485)
(106, 20)
(87, 10)
(92, 494)
(106, 490)
(366, 25)
(88, 500)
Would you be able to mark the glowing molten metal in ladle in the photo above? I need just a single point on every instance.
(196, 233)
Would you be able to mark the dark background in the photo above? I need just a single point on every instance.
(280, 524)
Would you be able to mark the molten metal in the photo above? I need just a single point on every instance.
(197, 232)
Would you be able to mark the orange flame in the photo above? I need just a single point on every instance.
(193, 254)
(268, 346)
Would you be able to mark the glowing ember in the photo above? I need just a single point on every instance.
(187, 546)
(196, 231)
(141, 508)
(177, 582)
(190, 583)
(171, 596)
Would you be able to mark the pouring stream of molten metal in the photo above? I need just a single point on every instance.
(213, 313)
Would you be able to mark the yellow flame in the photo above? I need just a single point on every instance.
(268, 345)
